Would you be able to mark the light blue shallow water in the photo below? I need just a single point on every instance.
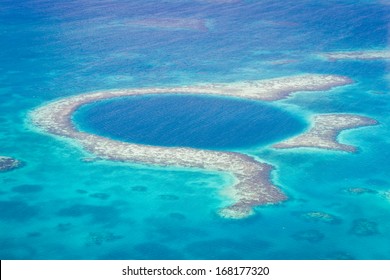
(60, 207)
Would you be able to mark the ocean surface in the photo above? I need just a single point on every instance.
(206, 122)
(61, 205)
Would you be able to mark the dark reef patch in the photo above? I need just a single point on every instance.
(339, 255)
(102, 196)
(167, 229)
(359, 190)
(312, 236)
(177, 216)
(16, 249)
(226, 249)
(168, 197)
(317, 216)
(364, 227)
(155, 251)
(100, 214)
(15, 210)
(81, 191)
(27, 188)
(34, 234)
(63, 227)
(139, 188)
(98, 238)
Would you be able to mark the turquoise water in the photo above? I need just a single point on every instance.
(57, 206)
(189, 121)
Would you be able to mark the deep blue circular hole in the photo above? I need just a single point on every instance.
(188, 121)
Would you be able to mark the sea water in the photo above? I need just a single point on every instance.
(189, 121)
(58, 206)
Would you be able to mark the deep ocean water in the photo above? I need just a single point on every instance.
(189, 121)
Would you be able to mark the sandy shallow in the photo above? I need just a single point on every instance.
(252, 186)
(324, 131)
(358, 55)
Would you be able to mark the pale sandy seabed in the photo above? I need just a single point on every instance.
(252, 186)
(357, 55)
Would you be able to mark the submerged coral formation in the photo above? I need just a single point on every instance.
(8, 163)
(364, 227)
(312, 236)
(320, 217)
(359, 190)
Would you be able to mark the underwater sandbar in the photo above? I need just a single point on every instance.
(358, 55)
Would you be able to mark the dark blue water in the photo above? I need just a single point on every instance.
(189, 121)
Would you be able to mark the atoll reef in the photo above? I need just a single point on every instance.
(252, 185)
(8, 163)
(324, 131)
